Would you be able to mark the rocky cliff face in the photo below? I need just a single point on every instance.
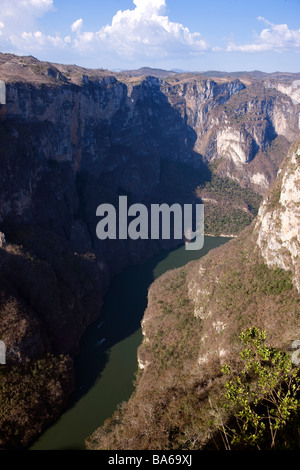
(278, 222)
(244, 127)
(291, 88)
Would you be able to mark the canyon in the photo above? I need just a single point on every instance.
(74, 138)
(192, 327)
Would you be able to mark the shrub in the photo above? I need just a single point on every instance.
(263, 397)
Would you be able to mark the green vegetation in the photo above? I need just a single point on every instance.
(219, 222)
(279, 283)
(229, 208)
(171, 350)
(263, 280)
(230, 189)
(174, 333)
(263, 398)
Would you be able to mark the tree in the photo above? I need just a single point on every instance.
(263, 397)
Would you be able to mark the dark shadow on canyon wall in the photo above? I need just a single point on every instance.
(59, 270)
(49, 201)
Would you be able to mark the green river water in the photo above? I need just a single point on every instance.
(106, 366)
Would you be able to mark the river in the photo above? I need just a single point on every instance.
(106, 366)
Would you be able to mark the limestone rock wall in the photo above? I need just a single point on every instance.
(278, 223)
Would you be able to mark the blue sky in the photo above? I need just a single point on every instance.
(196, 35)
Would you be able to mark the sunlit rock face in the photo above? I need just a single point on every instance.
(278, 223)
(236, 144)
(290, 89)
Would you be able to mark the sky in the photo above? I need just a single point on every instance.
(190, 35)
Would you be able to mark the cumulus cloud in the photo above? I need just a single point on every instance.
(37, 41)
(275, 38)
(142, 32)
(149, 6)
(17, 14)
(17, 20)
(77, 25)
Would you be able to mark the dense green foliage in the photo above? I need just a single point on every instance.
(229, 208)
(264, 397)
(231, 190)
(220, 222)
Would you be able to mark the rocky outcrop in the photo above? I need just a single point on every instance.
(199, 101)
(245, 128)
(291, 89)
(278, 223)
(238, 145)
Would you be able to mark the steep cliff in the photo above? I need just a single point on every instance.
(278, 222)
(192, 323)
(244, 126)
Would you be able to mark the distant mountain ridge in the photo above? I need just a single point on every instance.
(255, 74)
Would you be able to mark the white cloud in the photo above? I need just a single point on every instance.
(36, 41)
(142, 32)
(275, 38)
(18, 26)
(150, 6)
(17, 14)
(77, 25)
(18, 18)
